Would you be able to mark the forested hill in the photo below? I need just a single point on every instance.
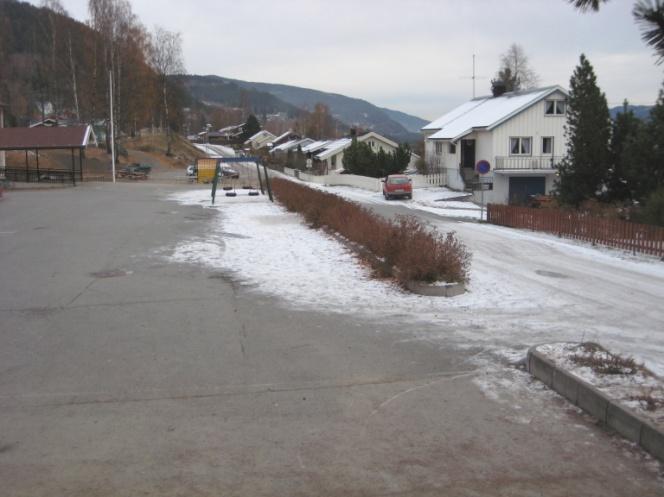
(51, 63)
(353, 112)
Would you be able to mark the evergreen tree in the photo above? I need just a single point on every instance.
(250, 128)
(360, 159)
(585, 168)
(654, 147)
(627, 148)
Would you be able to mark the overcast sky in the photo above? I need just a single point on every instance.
(409, 55)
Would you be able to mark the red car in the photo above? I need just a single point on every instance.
(397, 185)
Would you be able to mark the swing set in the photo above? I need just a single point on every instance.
(245, 181)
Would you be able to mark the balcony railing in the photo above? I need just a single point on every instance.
(543, 162)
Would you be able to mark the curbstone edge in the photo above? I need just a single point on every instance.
(608, 411)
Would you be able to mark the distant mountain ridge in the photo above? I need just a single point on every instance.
(353, 112)
(640, 111)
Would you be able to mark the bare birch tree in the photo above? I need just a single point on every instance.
(515, 66)
(166, 59)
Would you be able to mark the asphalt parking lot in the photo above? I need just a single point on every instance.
(124, 373)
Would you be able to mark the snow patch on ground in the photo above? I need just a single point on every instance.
(621, 387)
(525, 288)
(435, 199)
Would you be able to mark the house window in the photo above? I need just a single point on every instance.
(555, 107)
(439, 148)
(334, 160)
(521, 145)
(452, 148)
(547, 145)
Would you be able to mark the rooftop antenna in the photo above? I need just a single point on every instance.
(474, 77)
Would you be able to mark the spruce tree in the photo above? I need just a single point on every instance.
(655, 145)
(250, 128)
(627, 146)
(584, 170)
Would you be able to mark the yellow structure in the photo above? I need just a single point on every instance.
(206, 169)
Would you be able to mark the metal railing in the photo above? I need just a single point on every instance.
(542, 162)
(22, 175)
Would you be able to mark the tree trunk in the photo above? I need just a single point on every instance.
(73, 81)
(168, 124)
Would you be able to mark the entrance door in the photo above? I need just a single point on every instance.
(468, 153)
(523, 188)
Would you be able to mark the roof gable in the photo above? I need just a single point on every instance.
(376, 136)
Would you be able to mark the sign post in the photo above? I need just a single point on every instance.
(482, 167)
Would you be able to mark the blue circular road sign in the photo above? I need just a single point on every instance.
(483, 166)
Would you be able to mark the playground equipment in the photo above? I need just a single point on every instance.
(242, 176)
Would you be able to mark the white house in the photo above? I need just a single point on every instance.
(260, 139)
(520, 134)
(333, 153)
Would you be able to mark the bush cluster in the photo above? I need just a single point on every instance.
(404, 248)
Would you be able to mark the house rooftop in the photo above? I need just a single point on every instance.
(486, 112)
(45, 138)
(333, 147)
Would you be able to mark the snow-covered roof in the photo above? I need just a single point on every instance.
(260, 134)
(232, 129)
(333, 147)
(284, 146)
(282, 136)
(486, 112)
(315, 146)
(215, 150)
(292, 144)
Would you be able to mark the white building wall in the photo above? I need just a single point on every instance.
(532, 122)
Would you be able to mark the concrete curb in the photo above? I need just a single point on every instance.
(448, 290)
(608, 411)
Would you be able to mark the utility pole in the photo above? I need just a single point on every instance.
(110, 89)
(2, 125)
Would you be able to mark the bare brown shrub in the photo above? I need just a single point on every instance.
(404, 248)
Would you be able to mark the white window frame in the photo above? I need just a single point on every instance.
(451, 149)
(438, 147)
(559, 107)
(520, 142)
(550, 152)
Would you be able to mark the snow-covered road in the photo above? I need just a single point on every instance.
(526, 288)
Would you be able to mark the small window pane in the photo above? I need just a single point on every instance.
(452, 149)
(560, 107)
(550, 107)
(525, 146)
(514, 146)
(547, 145)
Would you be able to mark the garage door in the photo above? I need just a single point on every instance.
(523, 188)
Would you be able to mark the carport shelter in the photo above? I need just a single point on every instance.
(46, 138)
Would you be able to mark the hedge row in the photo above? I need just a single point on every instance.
(404, 248)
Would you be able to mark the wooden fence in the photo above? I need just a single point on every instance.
(640, 238)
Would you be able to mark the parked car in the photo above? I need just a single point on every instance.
(228, 172)
(397, 185)
(192, 170)
(144, 168)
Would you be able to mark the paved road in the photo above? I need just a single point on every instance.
(539, 289)
(122, 373)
